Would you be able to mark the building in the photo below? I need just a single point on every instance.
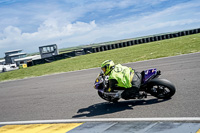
(19, 58)
(10, 56)
(27, 60)
(2, 62)
(48, 51)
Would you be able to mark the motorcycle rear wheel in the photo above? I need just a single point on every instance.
(161, 88)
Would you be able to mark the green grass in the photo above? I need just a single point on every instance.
(164, 48)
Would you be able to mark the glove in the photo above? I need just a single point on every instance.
(108, 90)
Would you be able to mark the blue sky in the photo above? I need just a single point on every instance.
(28, 24)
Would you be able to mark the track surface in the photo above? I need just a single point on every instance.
(71, 95)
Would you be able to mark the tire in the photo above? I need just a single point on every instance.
(108, 98)
(161, 88)
(4, 70)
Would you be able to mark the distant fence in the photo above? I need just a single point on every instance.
(121, 44)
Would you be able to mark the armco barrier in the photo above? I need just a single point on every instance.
(121, 44)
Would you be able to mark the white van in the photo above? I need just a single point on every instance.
(6, 68)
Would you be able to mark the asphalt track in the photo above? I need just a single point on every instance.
(71, 95)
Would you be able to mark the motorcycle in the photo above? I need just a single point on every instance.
(150, 84)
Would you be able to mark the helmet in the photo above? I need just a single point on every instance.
(107, 66)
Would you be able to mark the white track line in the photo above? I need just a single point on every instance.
(167, 119)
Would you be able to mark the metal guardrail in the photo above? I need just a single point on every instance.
(115, 45)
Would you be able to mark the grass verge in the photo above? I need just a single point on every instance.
(146, 51)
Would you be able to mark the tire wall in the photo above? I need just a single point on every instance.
(146, 40)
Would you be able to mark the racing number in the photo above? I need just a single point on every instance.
(119, 69)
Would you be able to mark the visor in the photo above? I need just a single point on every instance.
(103, 69)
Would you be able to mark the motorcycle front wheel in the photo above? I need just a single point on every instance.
(108, 98)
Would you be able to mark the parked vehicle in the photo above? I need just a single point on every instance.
(6, 68)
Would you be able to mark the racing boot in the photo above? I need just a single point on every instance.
(141, 95)
(118, 95)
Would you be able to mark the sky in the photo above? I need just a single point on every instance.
(28, 24)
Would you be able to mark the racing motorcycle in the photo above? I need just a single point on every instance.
(150, 84)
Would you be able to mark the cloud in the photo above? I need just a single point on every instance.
(12, 32)
(9, 36)
(49, 32)
(87, 22)
(178, 17)
(7, 1)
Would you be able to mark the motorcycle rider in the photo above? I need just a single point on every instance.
(122, 78)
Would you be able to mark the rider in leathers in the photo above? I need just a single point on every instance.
(122, 78)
